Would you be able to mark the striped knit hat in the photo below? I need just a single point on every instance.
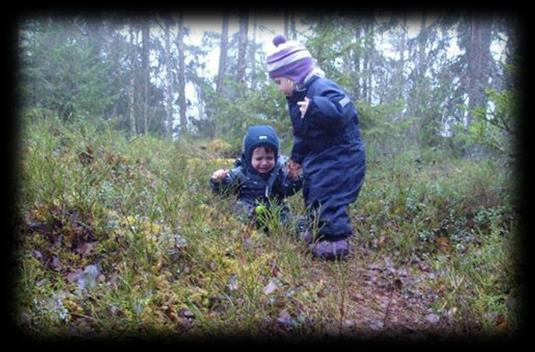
(290, 59)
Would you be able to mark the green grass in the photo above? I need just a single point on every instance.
(174, 260)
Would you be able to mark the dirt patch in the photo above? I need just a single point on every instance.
(379, 298)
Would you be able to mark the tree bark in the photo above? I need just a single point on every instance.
(478, 60)
(131, 85)
(242, 47)
(145, 38)
(402, 50)
(223, 54)
(367, 61)
(253, 53)
(170, 82)
(356, 60)
(371, 54)
(181, 75)
(420, 131)
(293, 29)
(514, 37)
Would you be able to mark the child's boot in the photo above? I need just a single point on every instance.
(330, 250)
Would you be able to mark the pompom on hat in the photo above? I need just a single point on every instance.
(279, 39)
(290, 59)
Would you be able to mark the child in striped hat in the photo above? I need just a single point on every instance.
(327, 147)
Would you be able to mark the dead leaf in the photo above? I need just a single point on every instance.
(275, 270)
(271, 286)
(233, 283)
(374, 266)
(39, 228)
(42, 282)
(159, 265)
(171, 314)
(357, 297)
(54, 264)
(86, 278)
(86, 157)
(424, 267)
(501, 324)
(247, 244)
(73, 276)
(382, 241)
(443, 244)
(85, 248)
(285, 319)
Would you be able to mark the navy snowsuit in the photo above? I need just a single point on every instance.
(327, 144)
(252, 187)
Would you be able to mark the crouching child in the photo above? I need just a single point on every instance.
(260, 178)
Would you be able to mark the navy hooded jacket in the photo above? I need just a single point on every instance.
(251, 186)
(327, 144)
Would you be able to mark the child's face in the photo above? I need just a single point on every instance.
(263, 160)
(285, 85)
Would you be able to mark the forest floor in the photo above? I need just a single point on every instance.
(380, 297)
(125, 238)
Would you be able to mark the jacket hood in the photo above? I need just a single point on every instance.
(259, 136)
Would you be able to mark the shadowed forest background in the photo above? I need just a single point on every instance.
(123, 120)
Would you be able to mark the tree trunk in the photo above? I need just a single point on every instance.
(181, 75)
(356, 60)
(145, 38)
(367, 61)
(401, 69)
(253, 53)
(242, 47)
(514, 37)
(170, 82)
(293, 29)
(93, 27)
(420, 76)
(478, 60)
(131, 85)
(371, 54)
(422, 41)
(223, 54)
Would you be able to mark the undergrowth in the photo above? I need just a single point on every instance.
(124, 237)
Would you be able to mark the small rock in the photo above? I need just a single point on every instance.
(186, 313)
(432, 318)
(376, 325)
(349, 324)
(37, 255)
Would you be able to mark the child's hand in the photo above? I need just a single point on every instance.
(219, 175)
(303, 106)
(294, 169)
